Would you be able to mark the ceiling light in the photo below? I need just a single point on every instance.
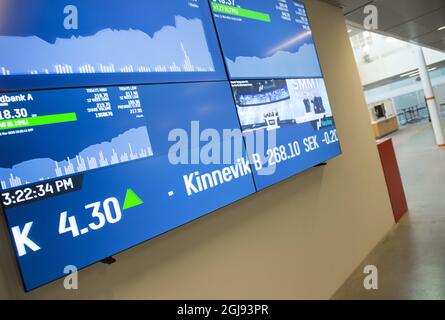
(409, 73)
(349, 30)
(441, 28)
(415, 73)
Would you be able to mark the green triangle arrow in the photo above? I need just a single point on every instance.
(132, 200)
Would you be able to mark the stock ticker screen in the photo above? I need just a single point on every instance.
(116, 128)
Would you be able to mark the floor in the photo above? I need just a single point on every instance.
(411, 259)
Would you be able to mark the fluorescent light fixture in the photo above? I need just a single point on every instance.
(415, 73)
(409, 73)
(441, 28)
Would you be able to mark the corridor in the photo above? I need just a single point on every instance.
(409, 259)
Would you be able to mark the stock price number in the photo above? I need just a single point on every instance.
(283, 153)
(13, 114)
(277, 155)
(226, 2)
(103, 213)
(136, 111)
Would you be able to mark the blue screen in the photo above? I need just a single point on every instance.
(287, 124)
(120, 121)
(110, 42)
(266, 39)
(278, 86)
(121, 162)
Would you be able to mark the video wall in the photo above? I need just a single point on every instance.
(121, 126)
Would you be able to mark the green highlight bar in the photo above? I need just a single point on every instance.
(239, 12)
(37, 121)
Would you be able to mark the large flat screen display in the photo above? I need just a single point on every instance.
(80, 185)
(277, 84)
(120, 121)
(51, 44)
(266, 39)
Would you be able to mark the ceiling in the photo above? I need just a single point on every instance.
(416, 21)
(396, 78)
